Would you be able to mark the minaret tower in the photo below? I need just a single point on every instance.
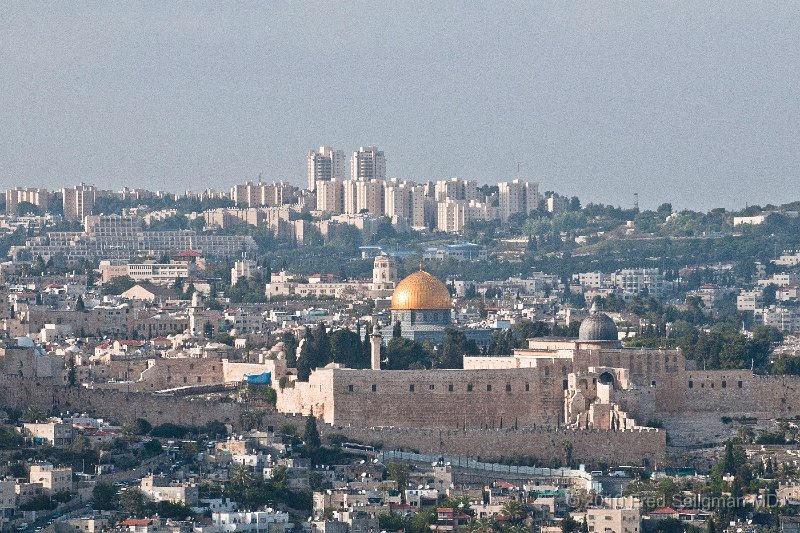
(375, 340)
(195, 314)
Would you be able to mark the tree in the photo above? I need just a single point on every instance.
(454, 347)
(346, 349)
(80, 307)
(240, 478)
(251, 418)
(140, 426)
(393, 521)
(10, 439)
(513, 511)
(403, 353)
(399, 472)
(313, 443)
(118, 284)
(397, 330)
(133, 502)
(105, 497)
(32, 414)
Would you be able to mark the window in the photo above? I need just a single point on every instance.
(199, 379)
(653, 383)
(724, 384)
(469, 387)
(508, 387)
(431, 387)
(349, 388)
(739, 384)
(691, 384)
(450, 388)
(411, 388)
(374, 387)
(527, 387)
(488, 388)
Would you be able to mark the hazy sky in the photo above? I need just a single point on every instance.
(692, 103)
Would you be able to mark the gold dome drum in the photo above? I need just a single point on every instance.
(420, 291)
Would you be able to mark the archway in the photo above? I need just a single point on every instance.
(607, 378)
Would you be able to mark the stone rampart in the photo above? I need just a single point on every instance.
(641, 446)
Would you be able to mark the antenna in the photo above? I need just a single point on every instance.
(518, 164)
(636, 201)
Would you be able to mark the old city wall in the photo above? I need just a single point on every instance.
(727, 393)
(491, 398)
(121, 407)
(638, 446)
(631, 446)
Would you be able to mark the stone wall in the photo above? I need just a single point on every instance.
(618, 447)
(644, 446)
(491, 398)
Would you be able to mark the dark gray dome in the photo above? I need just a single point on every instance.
(598, 326)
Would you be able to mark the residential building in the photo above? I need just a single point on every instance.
(325, 164)
(557, 204)
(78, 201)
(53, 479)
(160, 489)
(242, 269)
(268, 521)
(368, 163)
(55, 433)
(618, 515)
(517, 196)
(33, 195)
(330, 196)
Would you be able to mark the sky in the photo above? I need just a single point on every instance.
(694, 103)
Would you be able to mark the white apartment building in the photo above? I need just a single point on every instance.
(456, 189)
(633, 281)
(78, 201)
(330, 196)
(36, 196)
(618, 515)
(749, 300)
(157, 489)
(368, 163)
(786, 319)
(781, 280)
(53, 479)
(517, 196)
(369, 197)
(592, 279)
(242, 269)
(57, 434)
(260, 194)
(397, 200)
(325, 164)
(557, 204)
(788, 259)
(453, 215)
(363, 195)
(268, 521)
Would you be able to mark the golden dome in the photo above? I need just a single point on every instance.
(420, 290)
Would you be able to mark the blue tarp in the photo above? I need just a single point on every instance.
(265, 378)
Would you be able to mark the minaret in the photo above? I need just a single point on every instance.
(195, 312)
(375, 340)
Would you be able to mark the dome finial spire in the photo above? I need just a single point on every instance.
(420, 266)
